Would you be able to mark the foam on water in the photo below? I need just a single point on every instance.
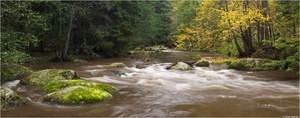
(11, 84)
(200, 78)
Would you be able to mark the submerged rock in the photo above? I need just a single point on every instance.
(142, 65)
(79, 61)
(181, 66)
(117, 65)
(44, 77)
(10, 99)
(11, 72)
(60, 84)
(77, 95)
(202, 63)
(251, 64)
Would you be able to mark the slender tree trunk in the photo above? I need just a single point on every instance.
(265, 30)
(258, 35)
(68, 37)
(241, 53)
(239, 49)
(259, 38)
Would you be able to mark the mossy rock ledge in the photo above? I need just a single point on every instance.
(181, 66)
(60, 84)
(44, 77)
(117, 65)
(77, 95)
(255, 64)
(11, 72)
(10, 99)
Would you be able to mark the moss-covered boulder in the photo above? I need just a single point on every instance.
(11, 72)
(10, 99)
(44, 77)
(181, 66)
(202, 63)
(117, 65)
(77, 95)
(60, 84)
(251, 64)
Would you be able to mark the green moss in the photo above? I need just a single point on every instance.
(238, 66)
(10, 99)
(117, 65)
(106, 87)
(269, 66)
(11, 72)
(44, 77)
(274, 65)
(293, 63)
(250, 64)
(228, 62)
(59, 84)
(258, 64)
(77, 95)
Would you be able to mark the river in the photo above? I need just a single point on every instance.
(156, 92)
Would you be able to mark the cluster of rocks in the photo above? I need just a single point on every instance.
(157, 48)
(63, 86)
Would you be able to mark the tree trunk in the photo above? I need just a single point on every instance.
(265, 27)
(68, 37)
(258, 35)
(241, 53)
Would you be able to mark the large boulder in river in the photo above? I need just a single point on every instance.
(181, 66)
(250, 64)
(117, 65)
(11, 72)
(44, 77)
(9, 98)
(60, 84)
(202, 63)
(77, 95)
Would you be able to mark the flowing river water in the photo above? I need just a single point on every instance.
(156, 92)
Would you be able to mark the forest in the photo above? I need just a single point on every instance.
(264, 29)
(150, 58)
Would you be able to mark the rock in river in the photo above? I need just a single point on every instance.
(77, 95)
(181, 66)
(11, 72)
(117, 65)
(202, 63)
(60, 84)
(10, 99)
(43, 77)
(250, 64)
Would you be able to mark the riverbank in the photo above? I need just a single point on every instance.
(156, 92)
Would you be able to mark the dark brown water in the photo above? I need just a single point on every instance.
(157, 92)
